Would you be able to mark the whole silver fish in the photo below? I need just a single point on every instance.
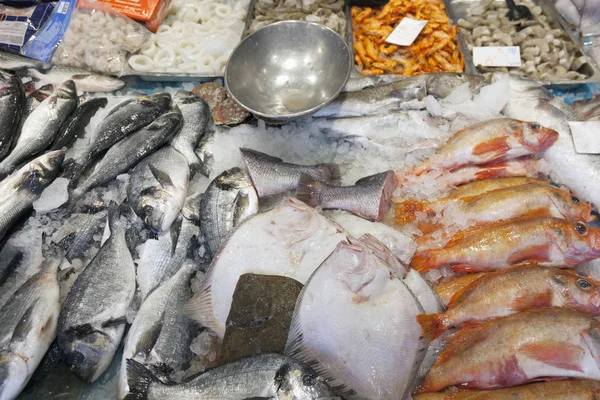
(196, 115)
(161, 334)
(440, 85)
(124, 119)
(42, 125)
(126, 153)
(74, 126)
(369, 197)
(157, 188)
(161, 258)
(33, 100)
(12, 102)
(92, 319)
(86, 81)
(229, 199)
(15, 62)
(19, 190)
(271, 175)
(265, 376)
(27, 328)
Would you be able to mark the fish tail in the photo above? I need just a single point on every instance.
(139, 379)
(432, 324)
(309, 190)
(406, 210)
(329, 173)
(197, 167)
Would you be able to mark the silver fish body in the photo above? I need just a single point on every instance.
(15, 62)
(41, 126)
(196, 116)
(32, 101)
(205, 149)
(76, 236)
(19, 190)
(271, 175)
(157, 188)
(161, 334)
(75, 125)
(12, 102)
(86, 81)
(27, 328)
(369, 197)
(92, 319)
(271, 376)
(126, 153)
(442, 84)
(229, 199)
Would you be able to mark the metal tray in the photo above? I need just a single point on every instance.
(458, 9)
(167, 77)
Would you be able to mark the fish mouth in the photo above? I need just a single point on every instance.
(547, 138)
(595, 300)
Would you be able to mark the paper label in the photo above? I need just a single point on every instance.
(506, 56)
(13, 32)
(586, 136)
(406, 32)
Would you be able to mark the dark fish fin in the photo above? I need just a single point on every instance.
(174, 232)
(149, 338)
(23, 326)
(247, 154)
(11, 267)
(114, 213)
(309, 190)
(239, 205)
(329, 173)
(196, 168)
(139, 379)
(162, 178)
(114, 322)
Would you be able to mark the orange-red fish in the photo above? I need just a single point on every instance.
(547, 241)
(511, 291)
(523, 166)
(490, 141)
(446, 290)
(537, 344)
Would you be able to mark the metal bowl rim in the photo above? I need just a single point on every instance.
(301, 113)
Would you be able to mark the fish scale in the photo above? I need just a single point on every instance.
(12, 102)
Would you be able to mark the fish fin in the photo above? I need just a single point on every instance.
(428, 227)
(465, 268)
(407, 209)
(114, 322)
(490, 172)
(492, 149)
(329, 173)
(147, 340)
(531, 255)
(174, 232)
(536, 301)
(162, 177)
(423, 261)
(139, 379)
(239, 206)
(196, 167)
(114, 215)
(199, 308)
(24, 325)
(309, 190)
(556, 354)
(432, 324)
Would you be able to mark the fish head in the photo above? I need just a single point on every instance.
(576, 292)
(441, 85)
(535, 137)
(578, 241)
(42, 93)
(160, 100)
(42, 171)
(12, 87)
(570, 206)
(295, 381)
(13, 374)
(67, 90)
(86, 351)
(155, 214)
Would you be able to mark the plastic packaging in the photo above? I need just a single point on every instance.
(151, 12)
(17, 25)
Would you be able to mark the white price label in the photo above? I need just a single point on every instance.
(506, 56)
(406, 32)
(586, 136)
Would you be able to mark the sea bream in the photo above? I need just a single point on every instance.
(12, 102)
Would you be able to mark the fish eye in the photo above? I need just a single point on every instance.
(583, 283)
(309, 380)
(535, 126)
(575, 199)
(148, 209)
(580, 228)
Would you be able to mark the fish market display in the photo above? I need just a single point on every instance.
(85, 80)
(434, 50)
(194, 38)
(34, 99)
(12, 102)
(547, 51)
(195, 118)
(584, 15)
(325, 12)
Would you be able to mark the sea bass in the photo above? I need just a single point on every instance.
(489, 141)
(353, 287)
(291, 240)
(503, 293)
(271, 175)
(265, 376)
(158, 187)
(531, 345)
(370, 197)
(85, 80)
(547, 241)
(33, 100)
(92, 319)
(12, 102)
(74, 127)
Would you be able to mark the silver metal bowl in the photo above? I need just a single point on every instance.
(288, 69)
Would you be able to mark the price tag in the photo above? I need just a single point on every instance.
(406, 32)
(506, 56)
(586, 136)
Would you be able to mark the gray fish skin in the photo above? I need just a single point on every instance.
(75, 125)
(370, 197)
(157, 200)
(196, 115)
(124, 119)
(22, 188)
(86, 81)
(161, 258)
(229, 199)
(27, 328)
(41, 126)
(32, 101)
(205, 152)
(12, 102)
(126, 153)
(271, 175)
(265, 376)
(80, 236)
(161, 334)
(191, 208)
(92, 319)
(15, 62)
(442, 84)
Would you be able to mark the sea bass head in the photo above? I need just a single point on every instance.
(576, 292)
(86, 351)
(533, 136)
(13, 372)
(66, 91)
(39, 173)
(296, 381)
(577, 241)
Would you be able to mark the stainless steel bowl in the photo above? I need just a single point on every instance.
(288, 69)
